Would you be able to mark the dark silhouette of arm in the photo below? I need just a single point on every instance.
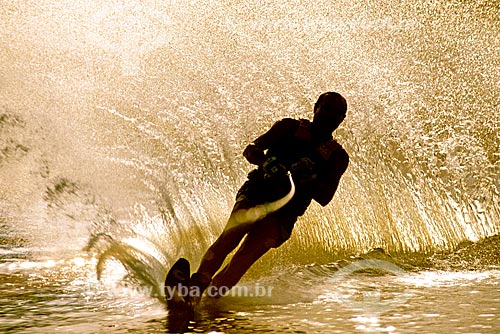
(281, 130)
(327, 182)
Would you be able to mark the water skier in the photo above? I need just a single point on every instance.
(316, 163)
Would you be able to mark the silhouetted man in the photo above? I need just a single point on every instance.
(316, 162)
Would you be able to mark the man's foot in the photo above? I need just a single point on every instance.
(198, 282)
(175, 286)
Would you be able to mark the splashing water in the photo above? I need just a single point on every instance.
(166, 129)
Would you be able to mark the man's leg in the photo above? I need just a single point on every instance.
(263, 236)
(214, 257)
(217, 253)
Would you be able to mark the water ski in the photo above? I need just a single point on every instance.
(176, 285)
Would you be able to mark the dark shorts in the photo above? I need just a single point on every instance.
(257, 190)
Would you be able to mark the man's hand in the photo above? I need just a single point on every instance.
(304, 170)
(254, 155)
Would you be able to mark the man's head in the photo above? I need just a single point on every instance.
(329, 111)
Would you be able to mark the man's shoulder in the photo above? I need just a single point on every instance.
(340, 157)
(332, 150)
(288, 122)
(285, 126)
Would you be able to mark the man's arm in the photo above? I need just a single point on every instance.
(281, 130)
(326, 185)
